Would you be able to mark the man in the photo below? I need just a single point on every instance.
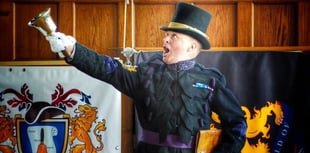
(173, 94)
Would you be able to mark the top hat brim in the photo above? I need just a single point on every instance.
(205, 44)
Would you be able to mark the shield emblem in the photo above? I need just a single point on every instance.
(49, 135)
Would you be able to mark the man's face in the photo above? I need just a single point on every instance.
(176, 47)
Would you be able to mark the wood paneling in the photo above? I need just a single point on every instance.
(149, 18)
(30, 44)
(303, 24)
(66, 16)
(275, 24)
(244, 24)
(100, 24)
(6, 31)
(96, 26)
(127, 125)
(222, 30)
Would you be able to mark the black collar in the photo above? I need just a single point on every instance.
(182, 65)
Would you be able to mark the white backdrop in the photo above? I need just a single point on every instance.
(59, 107)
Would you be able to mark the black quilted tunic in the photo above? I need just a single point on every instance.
(172, 102)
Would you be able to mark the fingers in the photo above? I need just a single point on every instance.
(59, 41)
(69, 40)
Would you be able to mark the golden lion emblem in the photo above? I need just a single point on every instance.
(80, 125)
(258, 125)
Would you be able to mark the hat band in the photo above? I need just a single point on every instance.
(184, 26)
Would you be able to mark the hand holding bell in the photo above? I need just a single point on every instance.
(45, 24)
(58, 41)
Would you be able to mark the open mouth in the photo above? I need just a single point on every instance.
(165, 50)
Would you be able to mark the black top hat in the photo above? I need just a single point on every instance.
(190, 20)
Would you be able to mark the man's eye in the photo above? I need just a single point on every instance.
(174, 36)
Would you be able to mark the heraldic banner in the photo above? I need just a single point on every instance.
(57, 109)
(273, 89)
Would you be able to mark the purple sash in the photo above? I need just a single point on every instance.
(173, 141)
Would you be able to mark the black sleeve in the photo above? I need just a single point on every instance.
(104, 68)
(233, 123)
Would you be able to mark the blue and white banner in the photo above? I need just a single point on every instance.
(57, 109)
